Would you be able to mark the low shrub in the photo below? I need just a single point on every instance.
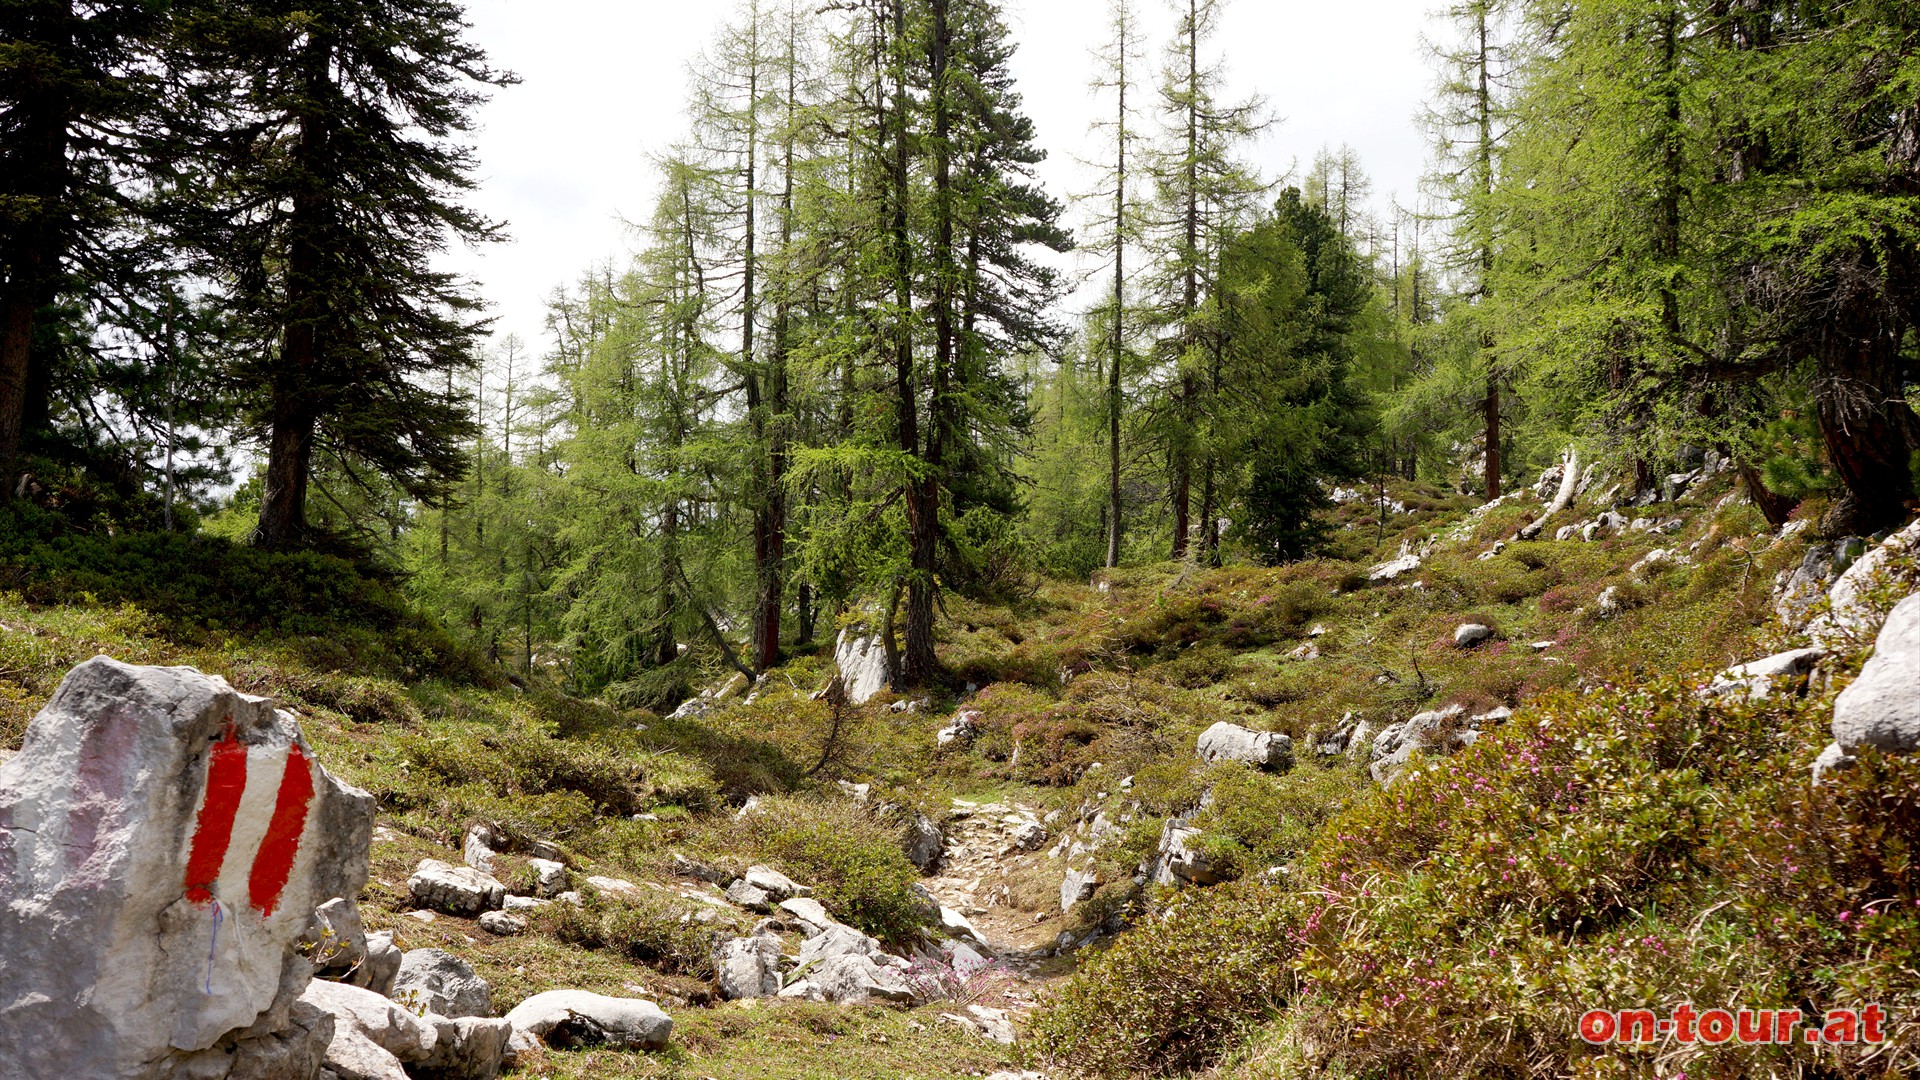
(658, 930)
(1178, 990)
(850, 856)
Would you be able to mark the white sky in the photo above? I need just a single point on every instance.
(564, 156)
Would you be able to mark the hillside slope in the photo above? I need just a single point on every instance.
(1601, 836)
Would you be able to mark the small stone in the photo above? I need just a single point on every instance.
(501, 924)
(1467, 635)
(549, 877)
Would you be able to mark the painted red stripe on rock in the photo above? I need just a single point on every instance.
(213, 830)
(274, 864)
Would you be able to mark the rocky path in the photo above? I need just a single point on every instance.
(996, 874)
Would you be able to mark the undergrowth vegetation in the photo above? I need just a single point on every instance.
(1619, 842)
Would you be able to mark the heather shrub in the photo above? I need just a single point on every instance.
(1176, 991)
(849, 855)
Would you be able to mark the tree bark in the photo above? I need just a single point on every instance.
(1869, 431)
(923, 500)
(33, 258)
(1492, 408)
(295, 408)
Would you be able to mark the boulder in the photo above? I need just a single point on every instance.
(454, 890)
(1881, 708)
(862, 661)
(436, 981)
(164, 842)
(924, 843)
(1609, 603)
(749, 967)
(811, 913)
(566, 1018)
(850, 978)
(379, 1020)
(1178, 862)
(1797, 593)
(761, 888)
(549, 878)
(1755, 679)
(686, 867)
(956, 925)
(503, 924)
(1029, 835)
(1078, 887)
(381, 966)
(1467, 635)
(609, 886)
(1832, 759)
(466, 1048)
(838, 940)
(353, 1056)
(478, 846)
(1858, 598)
(1231, 742)
(991, 1024)
(1404, 563)
(1397, 744)
(960, 729)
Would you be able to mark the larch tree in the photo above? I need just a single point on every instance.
(1202, 191)
(1114, 226)
(1468, 124)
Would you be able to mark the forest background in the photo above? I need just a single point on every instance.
(840, 378)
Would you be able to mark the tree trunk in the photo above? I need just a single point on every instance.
(1869, 431)
(38, 183)
(1775, 508)
(283, 498)
(295, 412)
(1492, 408)
(923, 500)
(1114, 519)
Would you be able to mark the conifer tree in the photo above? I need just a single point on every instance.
(1114, 229)
(1202, 191)
(340, 174)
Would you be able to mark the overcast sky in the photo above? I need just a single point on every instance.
(564, 155)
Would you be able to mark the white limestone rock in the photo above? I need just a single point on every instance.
(381, 1021)
(1400, 565)
(1858, 599)
(1231, 742)
(862, 661)
(568, 1018)
(1755, 679)
(503, 924)
(960, 729)
(436, 981)
(849, 978)
(749, 967)
(1881, 708)
(454, 890)
(925, 843)
(466, 1048)
(549, 878)
(164, 841)
(1467, 635)
(1078, 887)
